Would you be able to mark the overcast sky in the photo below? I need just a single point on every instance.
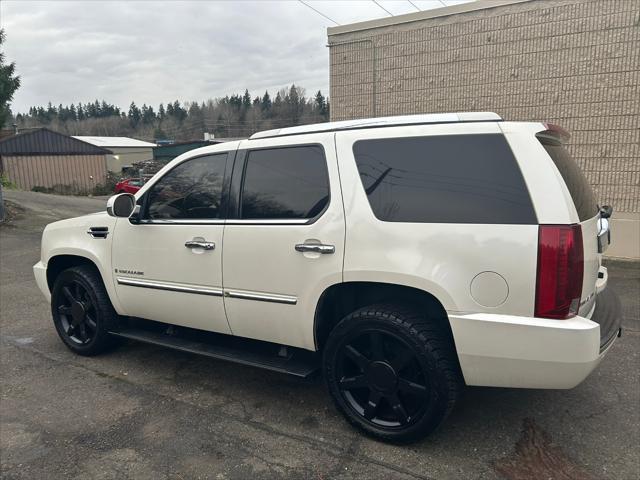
(152, 52)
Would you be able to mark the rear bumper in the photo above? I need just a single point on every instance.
(40, 273)
(526, 352)
(608, 314)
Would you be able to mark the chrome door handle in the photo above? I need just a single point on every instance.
(200, 244)
(315, 247)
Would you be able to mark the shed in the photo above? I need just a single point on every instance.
(125, 151)
(51, 160)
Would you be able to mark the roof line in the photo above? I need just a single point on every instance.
(418, 16)
(380, 122)
(33, 131)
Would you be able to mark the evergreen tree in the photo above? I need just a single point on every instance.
(9, 83)
(277, 103)
(148, 115)
(320, 104)
(246, 99)
(234, 115)
(266, 102)
(134, 115)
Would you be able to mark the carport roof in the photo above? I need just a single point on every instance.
(115, 142)
(47, 142)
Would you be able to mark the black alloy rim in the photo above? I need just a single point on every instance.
(77, 312)
(382, 380)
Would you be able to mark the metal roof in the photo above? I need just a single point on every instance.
(381, 122)
(115, 142)
(47, 142)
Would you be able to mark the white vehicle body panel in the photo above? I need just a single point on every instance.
(260, 257)
(169, 274)
(441, 259)
(70, 237)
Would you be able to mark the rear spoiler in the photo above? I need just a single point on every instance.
(553, 134)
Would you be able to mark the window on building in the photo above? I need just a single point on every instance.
(192, 190)
(285, 183)
(444, 179)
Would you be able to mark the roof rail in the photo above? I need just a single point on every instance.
(380, 122)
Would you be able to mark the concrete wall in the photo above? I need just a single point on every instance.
(571, 62)
(79, 172)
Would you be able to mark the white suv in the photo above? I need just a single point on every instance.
(403, 256)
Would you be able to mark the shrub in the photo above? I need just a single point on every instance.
(5, 182)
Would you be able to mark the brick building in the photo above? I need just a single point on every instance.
(571, 62)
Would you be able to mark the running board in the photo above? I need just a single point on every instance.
(254, 353)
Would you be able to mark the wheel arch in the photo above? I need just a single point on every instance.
(340, 299)
(61, 260)
(59, 263)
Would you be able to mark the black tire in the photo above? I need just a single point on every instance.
(82, 312)
(392, 373)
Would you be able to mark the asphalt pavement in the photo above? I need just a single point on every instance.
(145, 412)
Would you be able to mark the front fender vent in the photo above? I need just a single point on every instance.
(98, 232)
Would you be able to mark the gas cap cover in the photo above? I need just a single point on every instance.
(489, 289)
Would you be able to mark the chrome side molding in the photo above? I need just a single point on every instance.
(261, 297)
(212, 291)
(172, 287)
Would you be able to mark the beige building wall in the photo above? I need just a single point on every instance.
(81, 172)
(571, 62)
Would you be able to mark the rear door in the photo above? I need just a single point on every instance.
(284, 237)
(587, 209)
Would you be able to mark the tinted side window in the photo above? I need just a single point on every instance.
(581, 192)
(191, 190)
(444, 179)
(285, 183)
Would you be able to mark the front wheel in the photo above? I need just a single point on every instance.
(391, 372)
(82, 312)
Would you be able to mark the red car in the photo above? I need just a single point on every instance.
(129, 185)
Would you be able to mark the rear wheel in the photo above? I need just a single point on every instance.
(391, 372)
(82, 312)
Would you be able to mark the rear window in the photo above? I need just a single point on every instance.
(581, 192)
(444, 179)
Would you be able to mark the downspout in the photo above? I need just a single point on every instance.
(373, 67)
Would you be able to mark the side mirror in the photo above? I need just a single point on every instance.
(121, 205)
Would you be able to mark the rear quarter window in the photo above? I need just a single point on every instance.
(579, 187)
(444, 179)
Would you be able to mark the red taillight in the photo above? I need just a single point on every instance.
(560, 271)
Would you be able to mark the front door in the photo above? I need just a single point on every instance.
(168, 267)
(284, 245)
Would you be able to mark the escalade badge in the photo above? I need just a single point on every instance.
(129, 272)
